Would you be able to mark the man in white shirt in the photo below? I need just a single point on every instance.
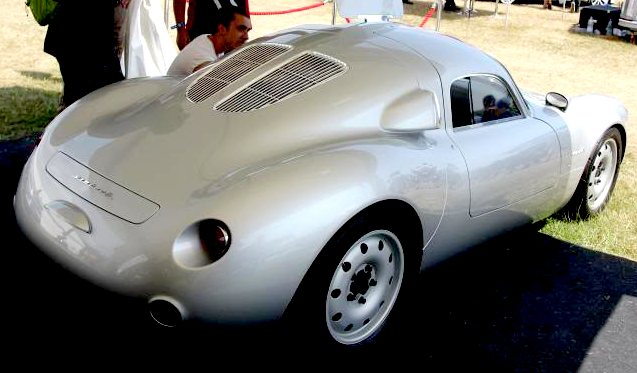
(232, 32)
(187, 27)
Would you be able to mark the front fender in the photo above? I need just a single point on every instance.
(580, 127)
(589, 116)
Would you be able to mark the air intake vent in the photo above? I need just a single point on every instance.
(304, 72)
(233, 68)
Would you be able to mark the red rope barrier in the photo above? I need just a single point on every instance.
(427, 16)
(286, 11)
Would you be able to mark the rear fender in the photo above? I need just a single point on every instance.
(294, 208)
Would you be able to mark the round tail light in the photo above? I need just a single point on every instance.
(214, 237)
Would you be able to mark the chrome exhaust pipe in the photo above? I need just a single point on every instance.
(166, 311)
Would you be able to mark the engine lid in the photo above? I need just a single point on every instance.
(99, 190)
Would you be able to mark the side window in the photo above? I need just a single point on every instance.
(480, 99)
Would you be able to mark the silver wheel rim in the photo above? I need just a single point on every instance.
(364, 287)
(602, 175)
(599, 2)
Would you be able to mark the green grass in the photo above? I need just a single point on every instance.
(24, 111)
(615, 230)
(30, 81)
(538, 47)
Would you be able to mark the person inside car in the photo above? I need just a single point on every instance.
(490, 108)
(503, 108)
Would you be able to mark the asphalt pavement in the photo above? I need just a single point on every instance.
(522, 303)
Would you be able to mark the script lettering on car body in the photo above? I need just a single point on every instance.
(94, 186)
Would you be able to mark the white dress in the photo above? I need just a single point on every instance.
(148, 49)
(198, 51)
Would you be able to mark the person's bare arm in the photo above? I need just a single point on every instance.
(179, 10)
(192, 10)
(202, 65)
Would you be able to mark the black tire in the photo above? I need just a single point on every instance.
(598, 180)
(357, 282)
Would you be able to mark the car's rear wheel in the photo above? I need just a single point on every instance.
(599, 178)
(353, 287)
(364, 287)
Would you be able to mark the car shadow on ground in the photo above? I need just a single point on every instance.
(529, 302)
(525, 302)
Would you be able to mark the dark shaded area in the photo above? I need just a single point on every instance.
(13, 155)
(525, 303)
(522, 303)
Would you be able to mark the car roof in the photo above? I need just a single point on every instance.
(450, 56)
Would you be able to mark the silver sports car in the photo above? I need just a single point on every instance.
(309, 176)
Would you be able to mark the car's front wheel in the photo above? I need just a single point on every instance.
(599, 178)
(353, 287)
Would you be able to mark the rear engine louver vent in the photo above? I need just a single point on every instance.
(233, 68)
(303, 72)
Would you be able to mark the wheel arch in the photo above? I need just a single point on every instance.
(395, 207)
(624, 138)
(576, 207)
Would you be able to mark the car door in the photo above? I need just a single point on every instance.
(510, 156)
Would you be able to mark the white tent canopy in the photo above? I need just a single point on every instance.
(370, 9)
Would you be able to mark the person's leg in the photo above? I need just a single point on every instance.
(81, 77)
(451, 6)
